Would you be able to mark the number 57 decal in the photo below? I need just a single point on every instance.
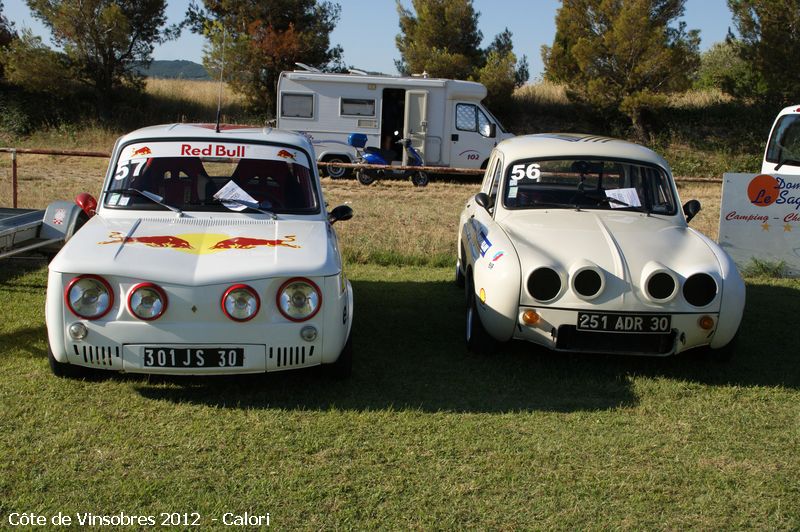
(521, 171)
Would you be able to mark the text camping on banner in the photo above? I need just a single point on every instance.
(760, 218)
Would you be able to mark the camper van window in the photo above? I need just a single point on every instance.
(357, 107)
(466, 117)
(297, 105)
(483, 124)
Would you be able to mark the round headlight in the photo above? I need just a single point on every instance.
(299, 299)
(700, 289)
(544, 284)
(89, 296)
(661, 286)
(588, 283)
(240, 302)
(147, 301)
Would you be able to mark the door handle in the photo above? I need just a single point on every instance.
(454, 137)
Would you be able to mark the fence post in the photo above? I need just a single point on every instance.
(14, 178)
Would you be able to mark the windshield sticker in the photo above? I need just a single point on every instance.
(225, 150)
(201, 243)
(627, 196)
(232, 191)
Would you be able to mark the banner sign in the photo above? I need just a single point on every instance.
(760, 217)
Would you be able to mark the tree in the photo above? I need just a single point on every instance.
(7, 32)
(769, 41)
(262, 38)
(105, 41)
(622, 55)
(442, 39)
(722, 68)
(503, 45)
(33, 66)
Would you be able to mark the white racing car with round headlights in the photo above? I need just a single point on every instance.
(209, 252)
(577, 243)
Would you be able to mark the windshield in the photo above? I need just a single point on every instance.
(571, 183)
(784, 144)
(188, 174)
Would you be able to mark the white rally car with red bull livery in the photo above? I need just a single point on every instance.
(209, 252)
(579, 244)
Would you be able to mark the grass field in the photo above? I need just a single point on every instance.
(423, 436)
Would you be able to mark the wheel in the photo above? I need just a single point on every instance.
(366, 177)
(65, 371)
(420, 179)
(336, 172)
(726, 352)
(459, 280)
(478, 340)
(343, 367)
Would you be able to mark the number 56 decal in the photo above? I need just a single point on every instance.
(520, 171)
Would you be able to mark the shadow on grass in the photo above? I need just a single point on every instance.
(410, 354)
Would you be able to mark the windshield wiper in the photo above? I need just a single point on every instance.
(155, 198)
(250, 205)
(537, 203)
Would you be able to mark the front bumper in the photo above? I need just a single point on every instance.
(557, 330)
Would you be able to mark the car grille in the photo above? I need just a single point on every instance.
(286, 357)
(571, 339)
(97, 355)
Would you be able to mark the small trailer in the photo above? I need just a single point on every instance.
(444, 118)
(45, 231)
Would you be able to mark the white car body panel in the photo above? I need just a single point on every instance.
(194, 258)
(498, 252)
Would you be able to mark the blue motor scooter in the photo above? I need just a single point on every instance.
(372, 155)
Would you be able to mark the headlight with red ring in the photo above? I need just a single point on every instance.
(89, 296)
(299, 299)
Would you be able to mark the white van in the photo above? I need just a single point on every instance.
(782, 155)
(444, 118)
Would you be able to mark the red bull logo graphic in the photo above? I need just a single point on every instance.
(215, 150)
(286, 154)
(201, 243)
(241, 242)
(141, 152)
(152, 241)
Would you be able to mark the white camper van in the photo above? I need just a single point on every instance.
(444, 118)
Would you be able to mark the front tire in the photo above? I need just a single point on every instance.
(478, 340)
(343, 367)
(420, 179)
(65, 371)
(726, 352)
(365, 177)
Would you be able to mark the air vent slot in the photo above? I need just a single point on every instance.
(97, 355)
(287, 357)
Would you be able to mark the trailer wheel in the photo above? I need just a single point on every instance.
(336, 172)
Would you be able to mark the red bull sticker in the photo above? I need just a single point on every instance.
(201, 243)
(144, 151)
(210, 149)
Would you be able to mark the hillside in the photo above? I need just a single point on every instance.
(178, 69)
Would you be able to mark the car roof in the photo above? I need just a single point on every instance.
(227, 133)
(576, 145)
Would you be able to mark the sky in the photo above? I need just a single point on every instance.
(367, 28)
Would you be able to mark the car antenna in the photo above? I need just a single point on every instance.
(221, 71)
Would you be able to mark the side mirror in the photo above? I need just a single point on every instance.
(340, 214)
(690, 209)
(483, 199)
(492, 130)
(87, 203)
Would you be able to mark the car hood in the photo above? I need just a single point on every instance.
(624, 244)
(200, 251)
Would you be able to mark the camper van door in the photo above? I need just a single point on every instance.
(416, 122)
